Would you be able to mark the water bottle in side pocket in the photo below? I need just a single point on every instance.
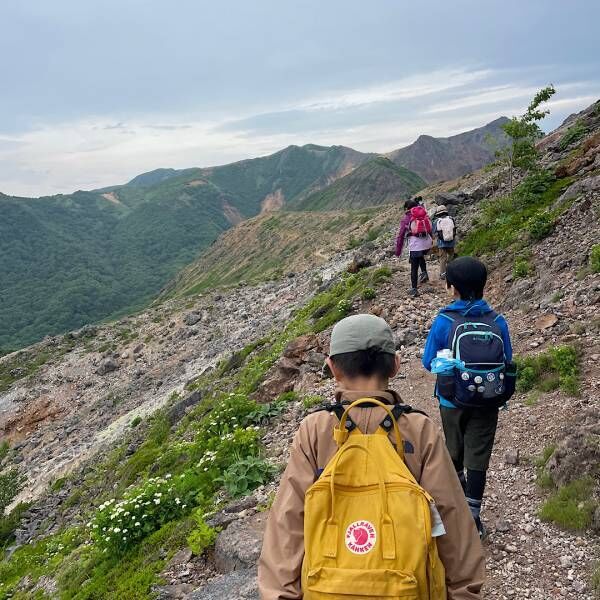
(443, 366)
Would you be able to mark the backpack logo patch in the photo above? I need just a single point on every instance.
(360, 537)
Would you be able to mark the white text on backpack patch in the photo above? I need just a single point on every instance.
(360, 537)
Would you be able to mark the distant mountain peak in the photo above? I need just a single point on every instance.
(440, 159)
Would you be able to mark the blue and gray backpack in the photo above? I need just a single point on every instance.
(487, 379)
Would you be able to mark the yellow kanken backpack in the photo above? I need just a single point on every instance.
(367, 524)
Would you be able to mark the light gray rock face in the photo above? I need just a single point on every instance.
(239, 585)
(238, 546)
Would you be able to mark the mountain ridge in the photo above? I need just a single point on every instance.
(438, 159)
(135, 237)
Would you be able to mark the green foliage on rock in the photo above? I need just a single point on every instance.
(510, 221)
(521, 268)
(11, 483)
(202, 536)
(595, 258)
(246, 474)
(540, 225)
(571, 505)
(572, 135)
(557, 367)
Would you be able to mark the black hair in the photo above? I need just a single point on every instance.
(365, 363)
(410, 204)
(468, 275)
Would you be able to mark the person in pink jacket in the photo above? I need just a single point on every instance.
(416, 228)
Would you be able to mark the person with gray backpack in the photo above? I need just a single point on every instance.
(444, 234)
(469, 348)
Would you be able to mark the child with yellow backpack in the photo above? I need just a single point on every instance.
(369, 505)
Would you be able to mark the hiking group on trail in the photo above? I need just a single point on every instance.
(374, 502)
(418, 233)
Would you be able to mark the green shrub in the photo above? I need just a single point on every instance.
(117, 525)
(352, 243)
(543, 477)
(595, 258)
(287, 397)
(381, 274)
(202, 536)
(570, 506)
(521, 268)
(373, 233)
(4, 448)
(9, 523)
(136, 421)
(311, 401)
(368, 294)
(502, 222)
(557, 367)
(246, 475)
(596, 572)
(574, 133)
(265, 412)
(540, 225)
(11, 483)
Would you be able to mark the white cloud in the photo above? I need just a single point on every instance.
(107, 150)
(402, 89)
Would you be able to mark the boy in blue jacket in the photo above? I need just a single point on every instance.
(469, 432)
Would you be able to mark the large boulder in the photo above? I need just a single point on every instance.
(108, 365)
(578, 455)
(239, 585)
(299, 346)
(361, 260)
(238, 546)
(180, 408)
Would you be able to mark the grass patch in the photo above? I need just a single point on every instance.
(26, 363)
(311, 401)
(570, 506)
(574, 133)
(543, 477)
(515, 219)
(595, 581)
(4, 448)
(522, 268)
(595, 258)
(557, 367)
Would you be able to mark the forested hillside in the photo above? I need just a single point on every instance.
(69, 260)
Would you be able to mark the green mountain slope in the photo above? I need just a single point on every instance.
(378, 181)
(69, 260)
(271, 245)
(440, 159)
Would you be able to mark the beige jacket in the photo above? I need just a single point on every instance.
(313, 447)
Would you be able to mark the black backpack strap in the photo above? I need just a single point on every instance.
(398, 411)
(338, 411)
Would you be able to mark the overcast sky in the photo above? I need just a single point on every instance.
(94, 92)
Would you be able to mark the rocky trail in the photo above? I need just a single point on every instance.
(526, 558)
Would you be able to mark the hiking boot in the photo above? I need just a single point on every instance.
(424, 277)
(481, 528)
(413, 292)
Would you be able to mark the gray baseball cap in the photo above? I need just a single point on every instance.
(361, 332)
